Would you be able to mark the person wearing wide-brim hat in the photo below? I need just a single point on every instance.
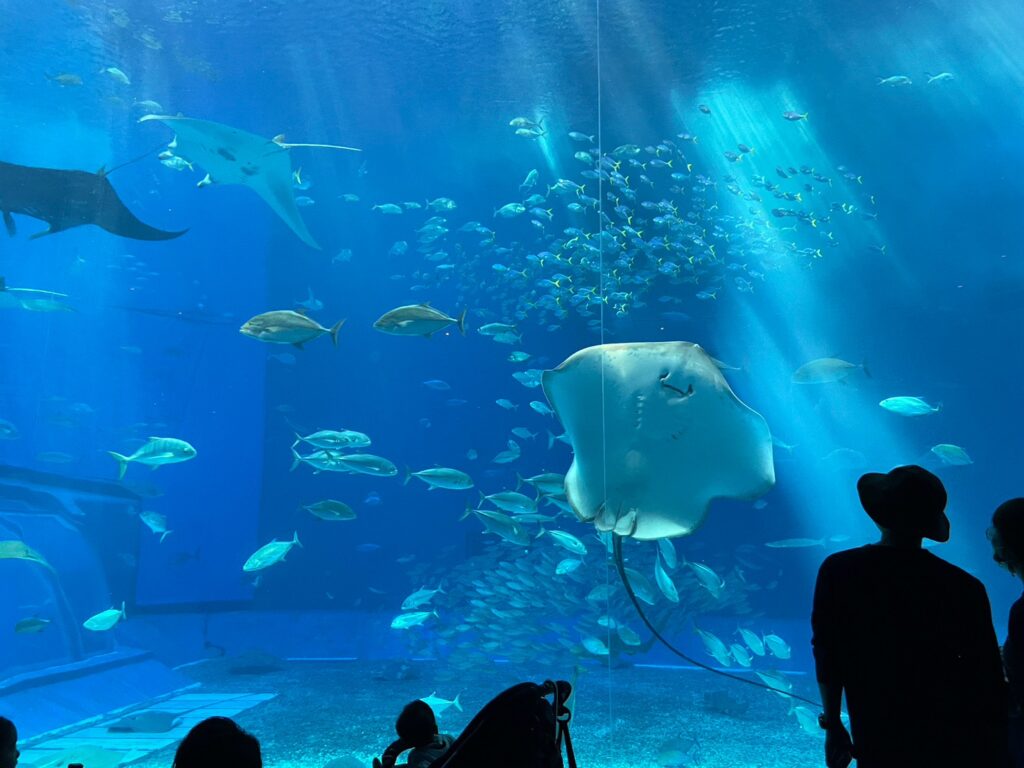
(908, 638)
(1007, 537)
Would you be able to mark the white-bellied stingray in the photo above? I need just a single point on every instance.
(657, 434)
(233, 156)
(66, 199)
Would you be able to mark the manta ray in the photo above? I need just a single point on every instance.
(230, 155)
(66, 199)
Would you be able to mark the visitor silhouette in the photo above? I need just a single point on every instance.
(417, 730)
(909, 639)
(1007, 536)
(218, 742)
(8, 744)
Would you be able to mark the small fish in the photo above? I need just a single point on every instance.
(443, 477)
(439, 705)
(909, 406)
(895, 81)
(541, 408)
(508, 405)
(568, 565)
(329, 509)
(778, 647)
(8, 431)
(388, 208)
(953, 455)
(826, 370)
(753, 641)
(794, 117)
(942, 77)
(704, 108)
(105, 620)
(311, 302)
(568, 542)
(116, 74)
(795, 543)
(664, 582)
(156, 522)
(270, 554)
(31, 626)
(421, 596)
(65, 79)
(510, 210)
(437, 385)
(708, 579)
(409, 620)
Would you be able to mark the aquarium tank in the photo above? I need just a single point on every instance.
(354, 355)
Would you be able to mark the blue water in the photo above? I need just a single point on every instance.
(426, 91)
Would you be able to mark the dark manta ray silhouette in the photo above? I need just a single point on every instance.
(66, 199)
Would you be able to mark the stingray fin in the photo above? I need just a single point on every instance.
(12, 228)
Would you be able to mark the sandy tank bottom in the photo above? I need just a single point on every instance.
(630, 716)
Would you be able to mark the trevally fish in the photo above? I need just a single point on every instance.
(512, 453)
(753, 641)
(418, 320)
(664, 582)
(826, 370)
(157, 452)
(270, 554)
(284, 326)
(778, 647)
(439, 705)
(550, 483)
(909, 406)
(31, 626)
(502, 525)
(952, 455)
(512, 501)
(330, 439)
(105, 620)
(420, 597)
(708, 579)
(442, 477)
(408, 620)
(568, 542)
(156, 522)
(368, 464)
(329, 509)
(795, 543)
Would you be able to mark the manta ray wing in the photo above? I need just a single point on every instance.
(66, 199)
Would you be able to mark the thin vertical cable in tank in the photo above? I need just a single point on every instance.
(601, 291)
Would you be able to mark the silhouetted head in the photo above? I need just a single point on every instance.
(218, 742)
(8, 744)
(1007, 536)
(909, 502)
(417, 724)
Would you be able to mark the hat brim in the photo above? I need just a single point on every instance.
(874, 489)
